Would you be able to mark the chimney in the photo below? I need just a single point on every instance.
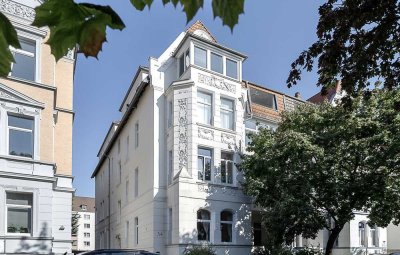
(297, 95)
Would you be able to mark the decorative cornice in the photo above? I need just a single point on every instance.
(206, 134)
(17, 9)
(228, 139)
(216, 83)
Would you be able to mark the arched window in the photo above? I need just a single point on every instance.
(203, 225)
(361, 233)
(226, 226)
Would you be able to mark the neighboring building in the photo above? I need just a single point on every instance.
(84, 211)
(357, 236)
(166, 177)
(36, 116)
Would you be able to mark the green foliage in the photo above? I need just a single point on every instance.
(74, 24)
(324, 163)
(308, 251)
(8, 38)
(83, 26)
(74, 223)
(358, 43)
(200, 250)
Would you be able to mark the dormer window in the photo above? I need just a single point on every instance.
(184, 62)
(263, 98)
(83, 207)
(25, 60)
(200, 57)
(231, 68)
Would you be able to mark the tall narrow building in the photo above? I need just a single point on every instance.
(167, 179)
(36, 116)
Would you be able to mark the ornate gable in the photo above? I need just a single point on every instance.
(199, 29)
(11, 95)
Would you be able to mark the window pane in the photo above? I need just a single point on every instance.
(20, 122)
(226, 155)
(226, 216)
(230, 172)
(216, 63)
(227, 104)
(203, 231)
(19, 199)
(204, 112)
(204, 98)
(200, 57)
(205, 152)
(187, 60)
(263, 98)
(257, 234)
(203, 215)
(223, 172)
(226, 232)
(181, 65)
(29, 46)
(227, 119)
(207, 169)
(200, 167)
(20, 143)
(19, 220)
(231, 68)
(24, 67)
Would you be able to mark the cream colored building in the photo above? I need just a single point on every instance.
(36, 116)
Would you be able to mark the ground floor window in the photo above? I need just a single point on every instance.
(203, 225)
(257, 234)
(19, 212)
(226, 226)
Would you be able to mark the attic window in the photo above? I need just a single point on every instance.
(263, 98)
(84, 207)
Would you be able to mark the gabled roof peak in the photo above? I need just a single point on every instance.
(199, 29)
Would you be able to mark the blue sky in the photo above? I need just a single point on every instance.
(271, 33)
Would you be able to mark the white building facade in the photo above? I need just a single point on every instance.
(83, 210)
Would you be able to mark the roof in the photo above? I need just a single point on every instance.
(114, 123)
(198, 25)
(140, 68)
(88, 201)
(320, 97)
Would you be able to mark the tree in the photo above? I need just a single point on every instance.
(83, 26)
(358, 43)
(323, 163)
(75, 223)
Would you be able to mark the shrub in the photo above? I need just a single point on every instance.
(203, 250)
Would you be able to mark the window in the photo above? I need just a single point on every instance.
(184, 62)
(226, 168)
(136, 182)
(216, 63)
(86, 225)
(204, 163)
(119, 146)
(169, 225)
(204, 107)
(137, 134)
(170, 119)
(86, 216)
(127, 147)
(257, 234)
(361, 233)
(200, 57)
(119, 209)
(231, 68)
(19, 213)
(25, 60)
(203, 225)
(170, 167)
(86, 243)
(83, 207)
(373, 235)
(226, 226)
(86, 234)
(119, 172)
(20, 132)
(227, 114)
(263, 98)
(136, 230)
(127, 232)
(127, 191)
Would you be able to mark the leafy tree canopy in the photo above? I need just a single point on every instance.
(358, 43)
(84, 25)
(324, 163)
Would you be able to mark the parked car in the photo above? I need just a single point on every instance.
(118, 252)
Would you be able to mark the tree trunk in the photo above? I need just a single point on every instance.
(332, 238)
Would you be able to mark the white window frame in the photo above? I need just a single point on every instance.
(210, 237)
(186, 62)
(34, 137)
(194, 56)
(229, 111)
(86, 234)
(227, 222)
(136, 231)
(206, 104)
(7, 206)
(226, 162)
(204, 165)
(86, 216)
(226, 68)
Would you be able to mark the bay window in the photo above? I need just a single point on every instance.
(200, 57)
(204, 107)
(203, 225)
(216, 63)
(226, 226)
(25, 60)
(20, 136)
(204, 163)
(231, 68)
(226, 168)
(227, 113)
(19, 213)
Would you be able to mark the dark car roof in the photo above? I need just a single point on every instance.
(118, 252)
